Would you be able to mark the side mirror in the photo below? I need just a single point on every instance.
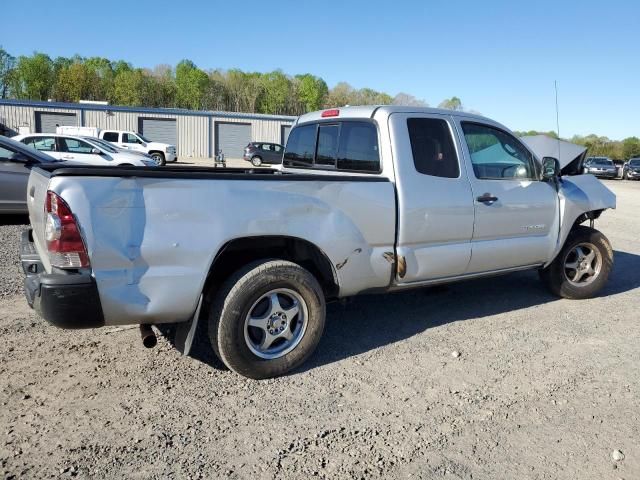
(550, 168)
(95, 151)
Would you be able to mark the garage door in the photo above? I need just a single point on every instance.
(159, 130)
(284, 133)
(46, 122)
(231, 138)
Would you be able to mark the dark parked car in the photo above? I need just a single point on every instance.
(632, 169)
(601, 167)
(16, 160)
(261, 152)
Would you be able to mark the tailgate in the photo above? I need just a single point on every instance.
(36, 197)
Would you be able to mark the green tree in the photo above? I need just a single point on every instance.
(77, 82)
(7, 64)
(312, 91)
(276, 88)
(33, 77)
(191, 83)
(630, 148)
(453, 103)
(340, 95)
(129, 87)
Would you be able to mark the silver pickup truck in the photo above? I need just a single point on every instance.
(369, 199)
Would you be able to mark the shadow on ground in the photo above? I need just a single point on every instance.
(371, 321)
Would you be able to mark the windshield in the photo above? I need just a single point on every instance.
(601, 161)
(635, 162)
(144, 139)
(102, 143)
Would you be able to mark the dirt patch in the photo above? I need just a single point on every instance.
(541, 388)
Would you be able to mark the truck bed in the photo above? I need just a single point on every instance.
(153, 233)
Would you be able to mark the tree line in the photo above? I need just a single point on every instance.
(63, 79)
(71, 79)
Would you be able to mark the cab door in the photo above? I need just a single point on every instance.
(435, 203)
(132, 142)
(516, 213)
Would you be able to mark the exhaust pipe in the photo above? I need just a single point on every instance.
(149, 339)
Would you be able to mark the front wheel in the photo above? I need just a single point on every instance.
(582, 267)
(267, 318)
(158, 159)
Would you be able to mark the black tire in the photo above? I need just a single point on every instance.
(233, 303)
(256, 161)
(555, 275)
(158, 157)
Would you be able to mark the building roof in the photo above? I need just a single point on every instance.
(164, 111)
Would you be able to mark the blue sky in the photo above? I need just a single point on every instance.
(500, 57)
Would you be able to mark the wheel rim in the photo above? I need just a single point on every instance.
(276, 323)
(256, 162)
(582, 264)
(157, 158)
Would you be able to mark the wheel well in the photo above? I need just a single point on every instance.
(156, 151)
(592, 215)
(241, 251)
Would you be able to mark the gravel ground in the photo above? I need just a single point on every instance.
(11, 226)
(541, 388)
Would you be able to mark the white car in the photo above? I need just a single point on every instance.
(160, 152)
(81, 150)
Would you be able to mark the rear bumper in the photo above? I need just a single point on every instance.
(66, 300)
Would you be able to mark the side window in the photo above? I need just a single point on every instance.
(111, 136)
(129, 138)
(277, 148)
(266, 147)
(44, 144)
(327, 150)
(73, 145)
(496, 155)
(358, 148)
(301, 146)
(432, 146)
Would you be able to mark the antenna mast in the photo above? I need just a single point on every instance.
(555, 82)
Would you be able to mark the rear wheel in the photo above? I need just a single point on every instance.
(267, 318)
(158, 158)
(256, 161)
(582, 267)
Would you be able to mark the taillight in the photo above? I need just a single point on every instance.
(64, 242)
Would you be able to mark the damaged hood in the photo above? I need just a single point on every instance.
(569, 154)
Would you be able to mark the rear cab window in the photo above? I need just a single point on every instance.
(110, 136)
(347, 145)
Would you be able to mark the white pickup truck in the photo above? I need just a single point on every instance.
(370, 199)
(161, 153)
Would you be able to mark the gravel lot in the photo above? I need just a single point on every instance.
(542, 388)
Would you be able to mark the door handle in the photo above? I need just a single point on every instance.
(487, 198)
(67, 157)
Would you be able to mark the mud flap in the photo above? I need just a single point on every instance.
(186, 332)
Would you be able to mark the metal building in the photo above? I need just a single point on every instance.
(195, 133)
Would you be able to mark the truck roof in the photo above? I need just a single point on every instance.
(368, 111)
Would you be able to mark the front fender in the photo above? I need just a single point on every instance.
(577, 195)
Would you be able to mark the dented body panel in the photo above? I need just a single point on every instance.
(151, 248)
